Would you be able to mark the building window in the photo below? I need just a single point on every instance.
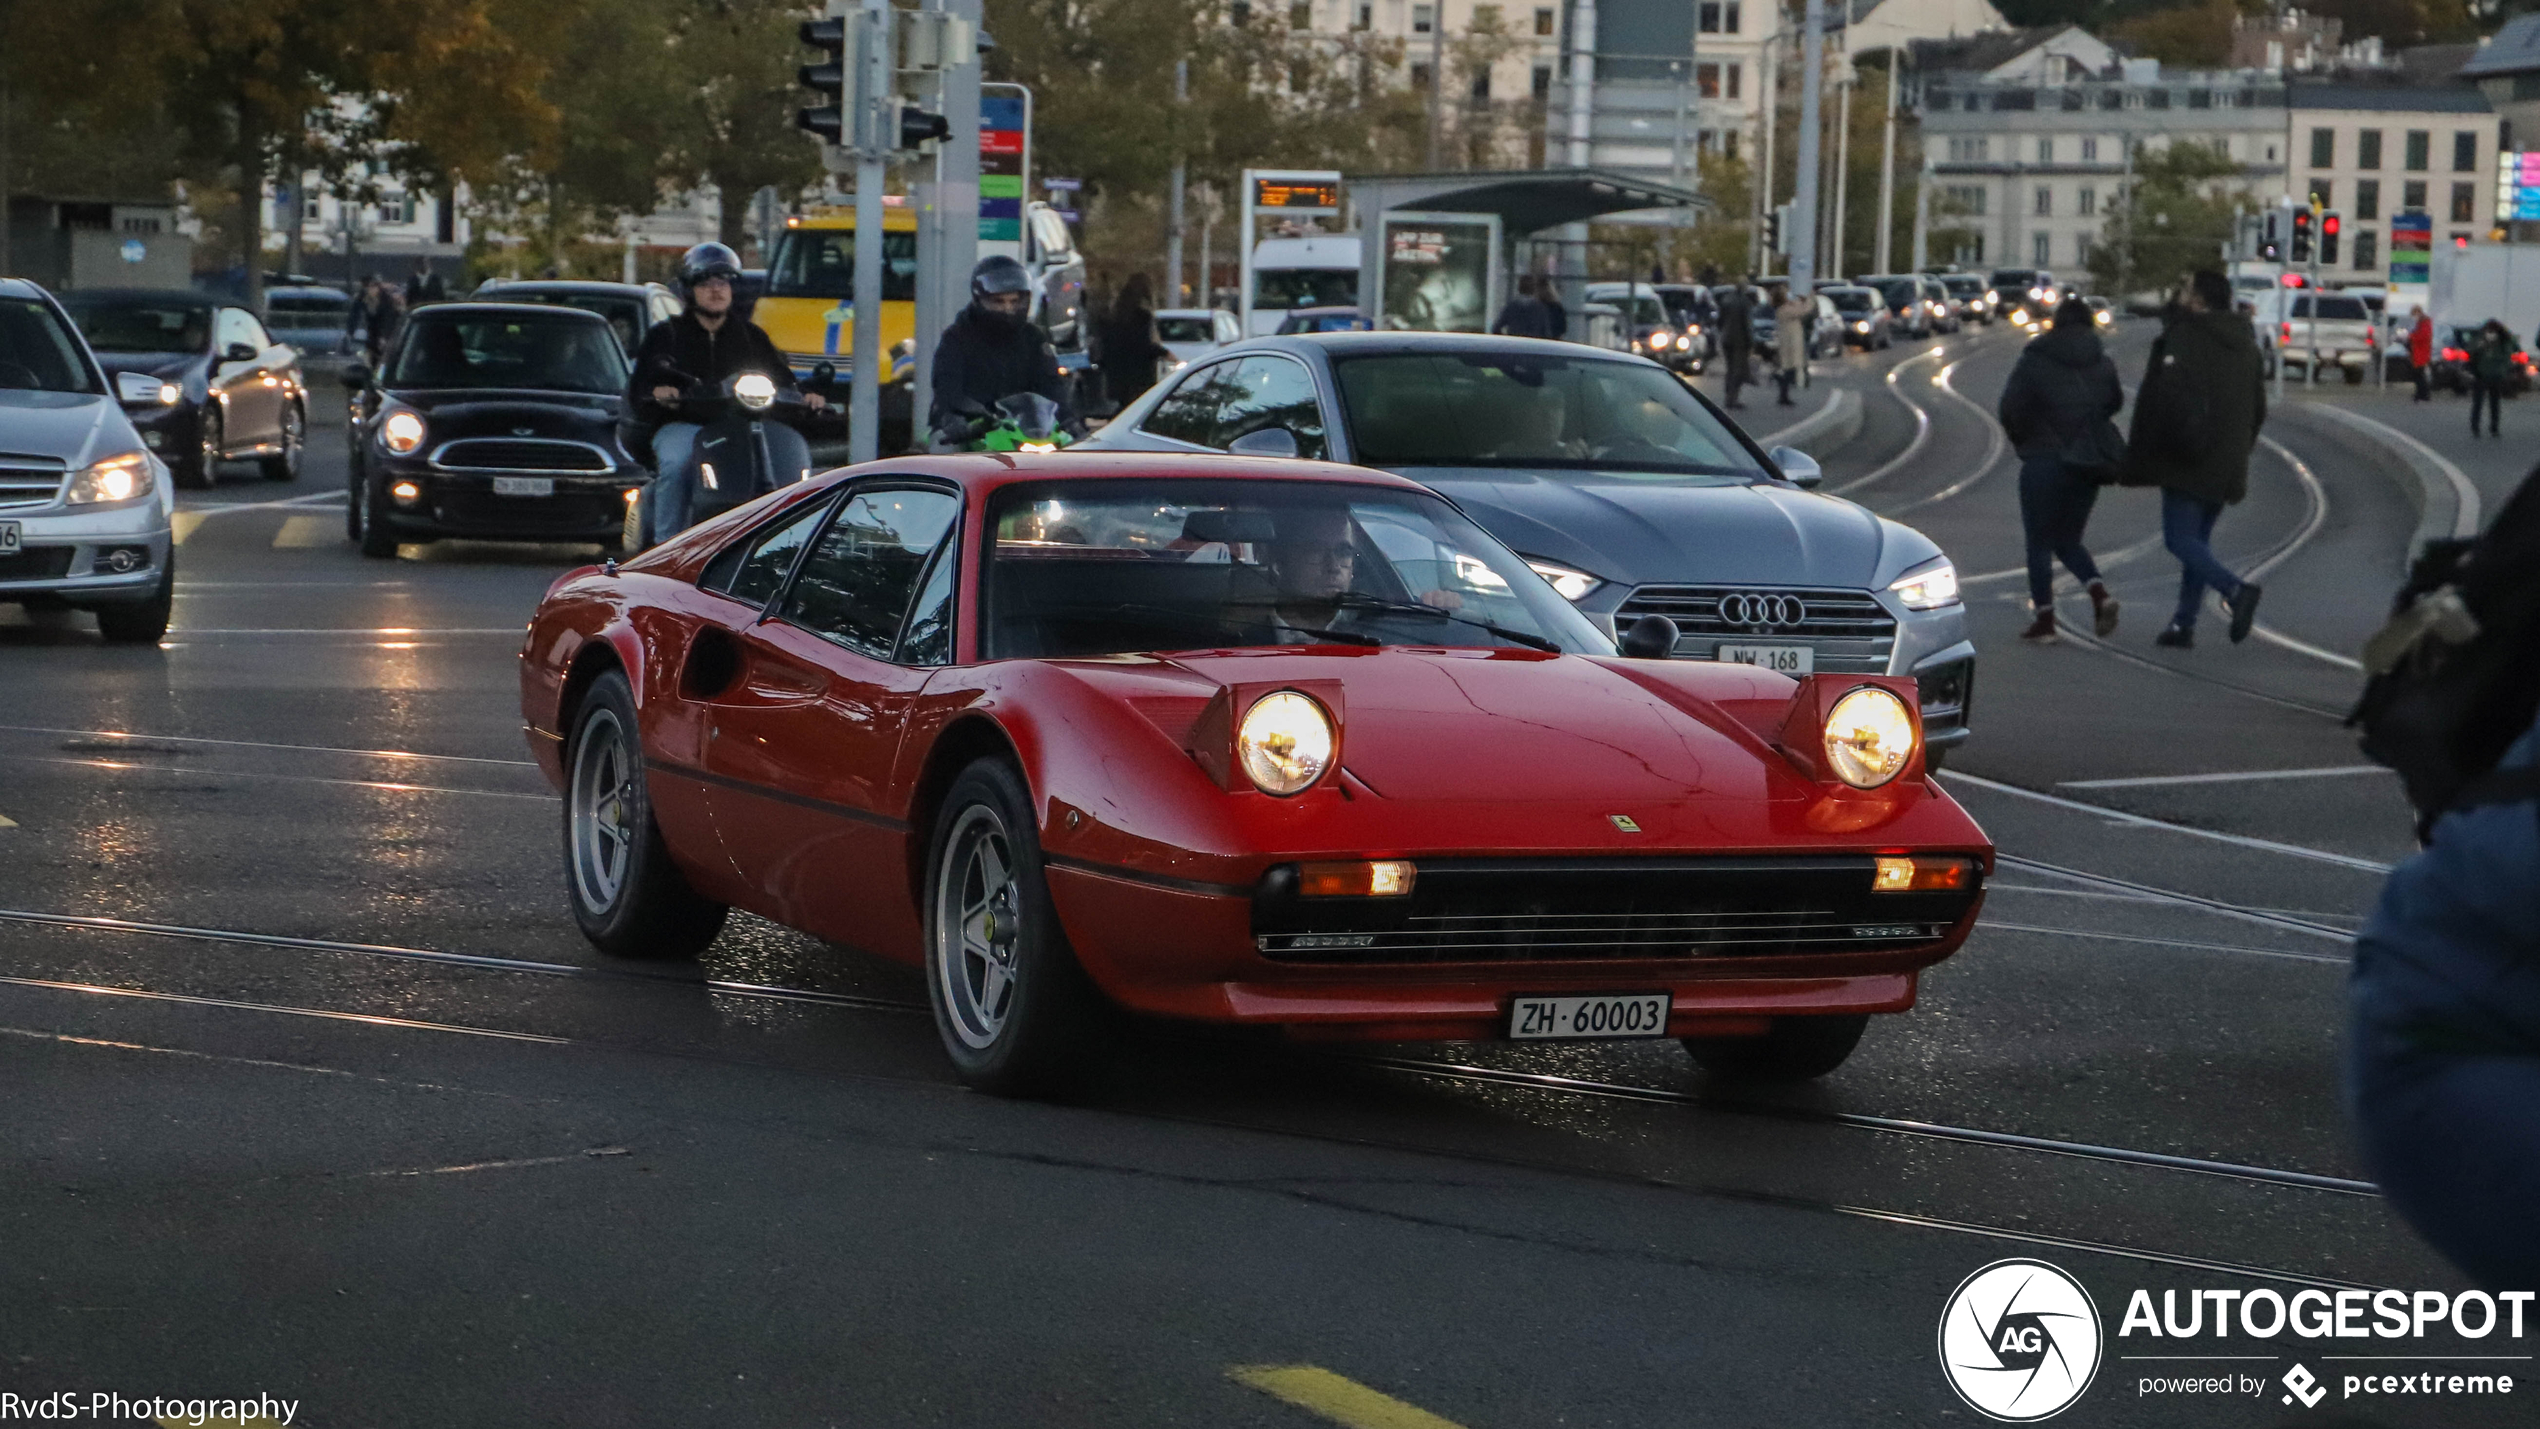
(1728, 145)
(1240, 12)
(1543, 82)
(1485, 19)
(2041, 249)
(1970, 151)
(1730, 74)
(2464, 202)
(2367, 251)
(1709, 21)
(2412, 196)
(1706, 80)
(2090, 151)
(2420, 151)
(2270, 153)
(1546, 20)
(2046, 151)
(2323, 191)
(2081, 249)
(1966, 200)
(1301, 16)
(2465, 151)
(2087, 203)
(1422, 18)
(400, 207)
(2045, 202)
(1419, 76)
(2323, 148)
(1366, 19)
(1480, 93)
(2368, 149)
(2367, 198)
(1731, 25)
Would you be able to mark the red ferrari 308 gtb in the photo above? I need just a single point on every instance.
(1228, 740)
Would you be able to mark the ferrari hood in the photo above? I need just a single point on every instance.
(1636, 531)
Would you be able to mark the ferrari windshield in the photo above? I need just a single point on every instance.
(1117, 567)
(564, 351)
(1523, 409)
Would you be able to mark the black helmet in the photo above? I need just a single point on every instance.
(707, 260)
(997, 273)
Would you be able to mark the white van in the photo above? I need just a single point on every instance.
(1316, 271)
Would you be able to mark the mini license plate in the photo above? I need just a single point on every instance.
(10, 539)
(524, 486)
(1629, 1014)
(1781, 659)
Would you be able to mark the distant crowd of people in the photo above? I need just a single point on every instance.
(380, 308)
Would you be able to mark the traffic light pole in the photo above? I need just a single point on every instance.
(874, 60)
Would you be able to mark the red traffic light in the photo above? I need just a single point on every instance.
(2328, 225)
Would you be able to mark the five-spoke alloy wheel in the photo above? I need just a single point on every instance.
(628, 896)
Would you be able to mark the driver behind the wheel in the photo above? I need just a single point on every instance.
(1312, 562)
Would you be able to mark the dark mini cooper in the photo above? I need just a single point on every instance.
(491, 421)
(202, 380)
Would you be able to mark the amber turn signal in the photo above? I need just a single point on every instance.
(1384, 878)
(1921, 875)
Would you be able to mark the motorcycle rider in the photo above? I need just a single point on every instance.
(992, 351)
(706, 344)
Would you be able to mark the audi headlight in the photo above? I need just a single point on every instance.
(1869, 737)
(1928, 587)
(1285, 743)
(402, 432)
(755, 389)
(1574, 586)
(117, 478)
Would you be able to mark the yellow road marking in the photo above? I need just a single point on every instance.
(305, 531)
(184, 523)
(7, 823)
(1341, 1400)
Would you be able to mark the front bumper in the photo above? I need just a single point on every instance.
(582, 506)
(88, 557)
(170, 432)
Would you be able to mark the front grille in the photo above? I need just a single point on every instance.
(1499, 911)
(37, 563)
(28, 484)
(519, 454)
(1849, 630)
(582, 514)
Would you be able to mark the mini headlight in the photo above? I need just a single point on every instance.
(117, 478)
(1869, 737)
(1928, 587)
(755, 389)
(1860, 327)
(1285, 743)
(401, 433)
(1573, 586)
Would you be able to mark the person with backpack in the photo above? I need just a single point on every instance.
(2056, 411)
(2491, 366)
(2443, 1056)
(2196, 419)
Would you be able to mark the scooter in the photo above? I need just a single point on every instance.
(1023, 422)
(751, 444)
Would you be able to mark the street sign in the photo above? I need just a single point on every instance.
(1004, 136)
(2411, 247)
(2518, 186)
(1297, 194)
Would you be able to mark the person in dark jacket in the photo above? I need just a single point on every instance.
(706, 344)
(2195, 424)
(1525, 314)
(991, 352)
(2064, 387)
(1128, 343)
(2443, 1056)
(372, 320)
(1737, 338)
(1556, 316)
(2491, 366)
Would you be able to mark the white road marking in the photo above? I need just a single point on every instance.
(182, 524)
(2465, 508)
(2149, 780)
(304, 532)
(399, 632)
(2360, 865)
(1995, 445)
(261, 744)
(7, 823)
(2288, 954)
(1922, 427)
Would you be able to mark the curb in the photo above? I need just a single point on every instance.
(2447, 504)
(1820, 432)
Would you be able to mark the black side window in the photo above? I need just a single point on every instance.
(856, 585)
(751, 569)
(929, 637)
(1269, 392)
(1189, 412)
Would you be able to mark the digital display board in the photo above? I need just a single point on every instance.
(2518, 186)
(1298, 195)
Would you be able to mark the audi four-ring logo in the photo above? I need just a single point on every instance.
(1760, 608)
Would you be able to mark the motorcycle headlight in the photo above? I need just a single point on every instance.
(1928, 587)
(1573, 586)
(1869, 737)
(402, 432)
(756, 390)
(1285, 743)
(117, 478)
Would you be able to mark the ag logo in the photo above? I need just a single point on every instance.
(2019, 1340)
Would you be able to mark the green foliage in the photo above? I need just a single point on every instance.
(2186, 200)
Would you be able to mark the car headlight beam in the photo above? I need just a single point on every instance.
(1928, 587)
(1285, 743)
(402, 432)
(1869, 737)
(1572, 586)
(115, 478)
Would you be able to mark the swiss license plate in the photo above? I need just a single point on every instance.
(9, 538)
(524, 486)
(1630, 1014)
(1781, 659)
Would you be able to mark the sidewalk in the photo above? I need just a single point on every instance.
(2495, 467)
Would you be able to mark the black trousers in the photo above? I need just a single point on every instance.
(2492, 394)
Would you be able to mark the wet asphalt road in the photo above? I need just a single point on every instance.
(279, 1141)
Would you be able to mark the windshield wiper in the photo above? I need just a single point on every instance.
(1360, 600)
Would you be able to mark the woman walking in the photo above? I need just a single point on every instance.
(2055, 411)
(1791, 314)
(1127, 342)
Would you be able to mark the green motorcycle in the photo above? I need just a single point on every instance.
(1024, 422)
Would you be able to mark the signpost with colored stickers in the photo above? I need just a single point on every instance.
(2411, 247)
(1005, 166)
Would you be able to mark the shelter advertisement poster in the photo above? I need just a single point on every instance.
(1438, 272)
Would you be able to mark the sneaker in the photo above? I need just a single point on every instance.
(2103, 611)
(2244, 610)
(2177, 637)
(2041, 631)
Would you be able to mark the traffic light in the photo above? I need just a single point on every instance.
(2271, 235)
(2328, 236)
(830, 80)
(2301, 236)
(1773, 229)
(917, 127)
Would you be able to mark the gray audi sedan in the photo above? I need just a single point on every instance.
(1622, 485)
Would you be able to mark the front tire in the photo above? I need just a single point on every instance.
(202, 469)
(1017, 1015)
(1795, 1050)
(143, 622)
(629, 898)
(369, 532)
(285, 464)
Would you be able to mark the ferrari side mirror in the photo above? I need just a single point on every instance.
(1652, 637)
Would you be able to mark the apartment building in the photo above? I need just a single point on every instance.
(2371, 151)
